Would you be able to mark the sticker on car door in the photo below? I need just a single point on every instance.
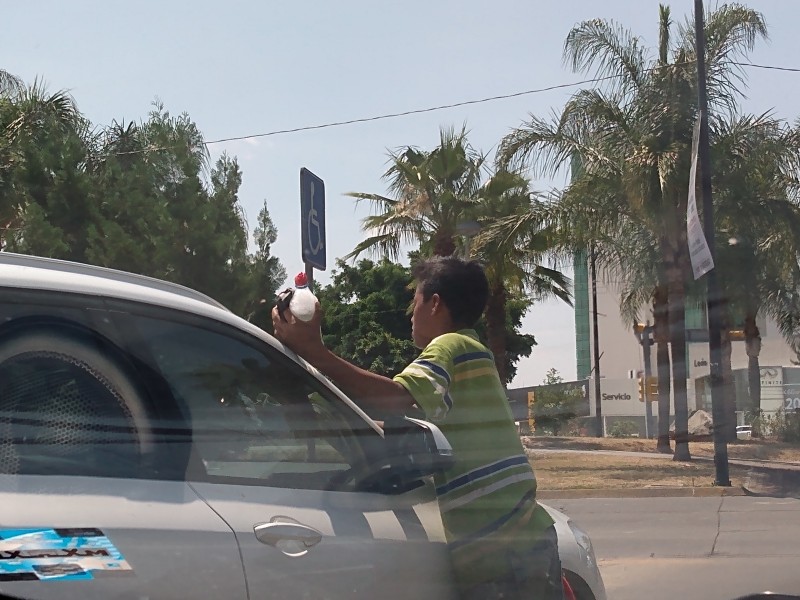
(58, 555)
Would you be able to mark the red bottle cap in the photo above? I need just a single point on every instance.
(300, 280)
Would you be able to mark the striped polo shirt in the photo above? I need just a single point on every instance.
(487, 499)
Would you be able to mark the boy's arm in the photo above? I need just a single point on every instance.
(367, 389)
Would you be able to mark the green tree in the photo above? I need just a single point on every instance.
(165, 212)
(135, 220)
(757, 215)
(140, 197)
(366, 318)
(433, 192)
(556, 402)
(430, 191)
(266, 272)
(517, 344)
(636, 134)
(44, 202)
(513, 259)
(41, 166)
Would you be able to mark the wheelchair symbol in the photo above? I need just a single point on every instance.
(313, 223)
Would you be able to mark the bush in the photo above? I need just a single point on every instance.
(757, 419)
(786, 426)
(622, 429)
(781, 426)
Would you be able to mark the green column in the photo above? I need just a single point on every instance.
(583, 357)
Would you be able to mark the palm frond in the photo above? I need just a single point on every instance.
(376, 200)
(385, 244)
(608, 49)
(548, 146)
(36, 108)
(10, 85)
(731, 32)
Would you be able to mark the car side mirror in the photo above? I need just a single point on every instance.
(415, 449)
(418, 446)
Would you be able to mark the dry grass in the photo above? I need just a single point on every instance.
(753, 449)
(562, 471)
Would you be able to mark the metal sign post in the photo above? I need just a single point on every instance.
(312, 223)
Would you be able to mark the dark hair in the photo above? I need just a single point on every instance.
(461, 285)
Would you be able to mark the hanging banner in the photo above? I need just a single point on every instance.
(699, 252)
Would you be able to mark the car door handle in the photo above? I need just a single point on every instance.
(274, 533)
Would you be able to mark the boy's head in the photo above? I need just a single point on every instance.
(451, 294)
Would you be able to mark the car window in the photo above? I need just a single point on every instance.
(84, 391)
(67, 405)
(61, 415)
(253, 416)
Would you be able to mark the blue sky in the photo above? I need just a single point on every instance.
(242, 68)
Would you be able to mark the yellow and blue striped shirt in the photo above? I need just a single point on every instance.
(487, 499)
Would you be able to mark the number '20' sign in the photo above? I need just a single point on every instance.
(791, 398)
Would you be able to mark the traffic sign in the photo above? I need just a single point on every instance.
(312, 219)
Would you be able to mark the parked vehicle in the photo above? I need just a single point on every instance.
(145, 430)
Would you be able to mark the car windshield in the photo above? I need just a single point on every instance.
(555, 247)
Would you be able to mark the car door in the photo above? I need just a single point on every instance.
(280, 458)
(83, 513)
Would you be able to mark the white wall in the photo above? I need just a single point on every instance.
(621, 353)
(618, 398)
(620, 350)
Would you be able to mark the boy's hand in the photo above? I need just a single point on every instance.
(304, 338)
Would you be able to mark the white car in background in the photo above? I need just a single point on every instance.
(153, 444)
(744, 432)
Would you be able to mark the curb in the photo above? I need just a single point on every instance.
(754, 463)
(682, 492)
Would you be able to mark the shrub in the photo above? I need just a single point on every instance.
(622, 429)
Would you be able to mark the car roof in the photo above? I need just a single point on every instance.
(19, 271)
(39, 271)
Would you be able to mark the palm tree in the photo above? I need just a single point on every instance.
(430, 191)
(513, 259)
(433, 192)
(30, 117)
(758, 217)
(638, 130)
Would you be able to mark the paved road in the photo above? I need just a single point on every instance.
(703, 548)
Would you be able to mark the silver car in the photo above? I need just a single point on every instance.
(154, 445)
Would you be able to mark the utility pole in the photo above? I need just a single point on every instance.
(597, 404)
(713, 294)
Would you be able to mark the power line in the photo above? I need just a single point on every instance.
(383, 116)
(414, 111)
(770, 67)
(430, 109)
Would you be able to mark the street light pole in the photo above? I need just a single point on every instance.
(713, 294)
(468, 229)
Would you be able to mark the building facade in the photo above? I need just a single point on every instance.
(622, 357)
